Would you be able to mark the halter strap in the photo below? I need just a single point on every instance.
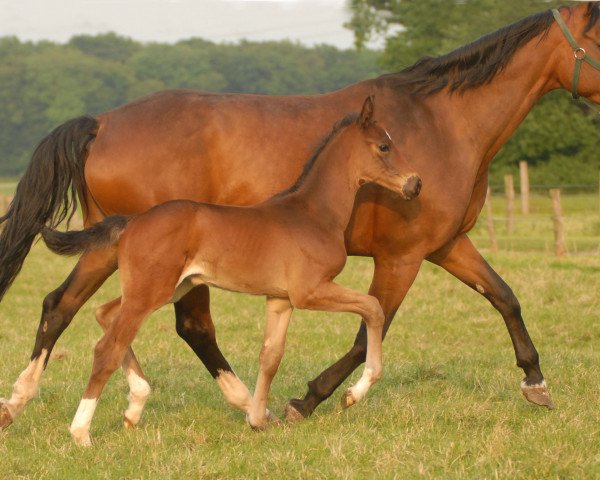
(579, 52)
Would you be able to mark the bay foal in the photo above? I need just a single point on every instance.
(288, 248)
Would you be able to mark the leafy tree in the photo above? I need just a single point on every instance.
(178, 66)
(107, 46)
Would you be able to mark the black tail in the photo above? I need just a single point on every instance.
(99, 235)
(46, 194)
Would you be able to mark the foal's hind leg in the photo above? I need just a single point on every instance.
(335, 298)
(59, 307)
(109, 353)
(139, 389)
(195, 326)
(465, 263)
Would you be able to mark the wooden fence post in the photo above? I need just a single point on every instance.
(557, 217)
(509, 190)
(490, 222)
(524, 173)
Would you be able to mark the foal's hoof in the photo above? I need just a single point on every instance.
(82, 438)
(128, 424)
(270, 420)
(348, 399)
(292, 414)
(537, 394)
(5, 417)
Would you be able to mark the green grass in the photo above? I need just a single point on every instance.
(448, 406)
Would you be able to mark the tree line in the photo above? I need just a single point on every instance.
(43, 84)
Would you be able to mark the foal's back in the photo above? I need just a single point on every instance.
(258, 249)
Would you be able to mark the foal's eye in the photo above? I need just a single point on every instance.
(384, 148)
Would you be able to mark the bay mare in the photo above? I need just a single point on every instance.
(449, 116)
(288, 248)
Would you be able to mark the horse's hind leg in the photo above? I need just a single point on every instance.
(465, 263)
(139, 389)
(195, 326)
(58, 310)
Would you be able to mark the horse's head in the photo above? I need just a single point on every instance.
(578, 49)
(378, 159)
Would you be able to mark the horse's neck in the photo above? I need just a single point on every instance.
(484, 118)
(330, 187)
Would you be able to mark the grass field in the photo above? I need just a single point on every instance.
(448, 406)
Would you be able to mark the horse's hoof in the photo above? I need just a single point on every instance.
(537, 394)
(5, 417)
(292, 414)
(348, 399)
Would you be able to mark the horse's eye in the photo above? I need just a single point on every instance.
(384, 148)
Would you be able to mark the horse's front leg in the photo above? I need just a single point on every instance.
(392, 278)
(279, 313)
(195, 326)
(464, 262)
(58, 310)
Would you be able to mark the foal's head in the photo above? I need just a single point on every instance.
(375, 158)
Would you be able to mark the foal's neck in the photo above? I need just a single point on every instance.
(330, 187)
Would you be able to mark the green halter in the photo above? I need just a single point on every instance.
(580, 54)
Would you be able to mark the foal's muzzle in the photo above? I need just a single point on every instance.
(412, 187)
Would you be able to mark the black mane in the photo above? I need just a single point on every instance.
(476, 63)
(593, 12)
(344, 122)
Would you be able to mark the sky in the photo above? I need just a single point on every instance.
(307, 21)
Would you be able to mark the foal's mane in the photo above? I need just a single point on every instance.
(340, 125)
(477, 63)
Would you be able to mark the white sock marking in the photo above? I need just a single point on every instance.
(27, 385)
(360, 389)
(80, 427)
(234, 390)
(139, 390)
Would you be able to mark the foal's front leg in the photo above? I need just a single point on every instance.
(335, 298)
(279, 312)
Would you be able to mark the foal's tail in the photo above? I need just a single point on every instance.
(100, 235)
(46, 194)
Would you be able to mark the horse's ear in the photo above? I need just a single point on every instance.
(366, 114)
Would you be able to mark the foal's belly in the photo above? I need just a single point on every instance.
(203, 274)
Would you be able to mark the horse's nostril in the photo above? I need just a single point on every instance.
(412, 187)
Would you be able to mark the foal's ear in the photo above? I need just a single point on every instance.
(366, 114)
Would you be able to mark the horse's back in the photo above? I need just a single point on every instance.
(218, 148)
